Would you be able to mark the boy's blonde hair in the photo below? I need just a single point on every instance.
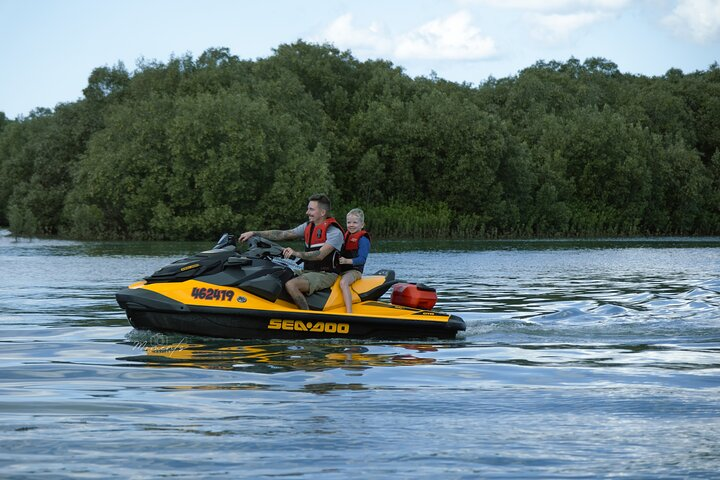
(357, 212)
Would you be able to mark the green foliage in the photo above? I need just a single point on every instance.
(304, 174)
(191, 147)
(22, 221)
(86, 220)
(411, 220)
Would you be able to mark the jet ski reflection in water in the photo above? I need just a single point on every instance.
(226, 293)
(285, 356)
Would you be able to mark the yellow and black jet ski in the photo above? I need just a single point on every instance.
(226, 293)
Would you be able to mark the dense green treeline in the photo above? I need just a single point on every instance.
(192, 147)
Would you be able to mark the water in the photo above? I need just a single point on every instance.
(588, 359)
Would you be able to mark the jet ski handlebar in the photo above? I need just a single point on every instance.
(268, 248)
(262, 242)
(258, 247)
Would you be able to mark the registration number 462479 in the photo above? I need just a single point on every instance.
(203, 293)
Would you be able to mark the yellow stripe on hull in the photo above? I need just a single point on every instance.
(202, 294)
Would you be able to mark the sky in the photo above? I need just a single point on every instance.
(48, 48)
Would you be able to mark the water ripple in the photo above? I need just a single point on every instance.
(581, 359)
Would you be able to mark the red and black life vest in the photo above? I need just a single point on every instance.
(351, 247)
(315, 238)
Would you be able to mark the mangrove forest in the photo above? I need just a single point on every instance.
(191, 147)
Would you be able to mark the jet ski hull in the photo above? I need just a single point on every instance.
(247, 326)
(222, 293)
(147, 310)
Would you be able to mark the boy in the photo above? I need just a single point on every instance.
(353, 254)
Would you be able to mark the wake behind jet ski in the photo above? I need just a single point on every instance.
(230, 294)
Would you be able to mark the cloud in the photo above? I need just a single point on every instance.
(373, 38)
(698, 20)
(554, 6)
(558, 28)
(449, 38)
(452, 38)
(557, 21)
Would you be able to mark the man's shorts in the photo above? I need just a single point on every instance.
(318, 280)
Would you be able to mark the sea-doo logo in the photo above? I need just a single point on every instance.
(212, 294)
(189, 267)
(300, 326)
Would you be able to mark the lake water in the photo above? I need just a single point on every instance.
(582, 359)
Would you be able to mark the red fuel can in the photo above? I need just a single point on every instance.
(415, 295)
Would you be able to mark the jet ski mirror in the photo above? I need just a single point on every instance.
(225, 240)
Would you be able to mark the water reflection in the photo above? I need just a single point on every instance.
(309, 357)
(161, 351)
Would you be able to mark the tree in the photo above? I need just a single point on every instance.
(189, 147)
(107, 83)
(304, 174)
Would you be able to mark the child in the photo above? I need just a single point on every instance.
(354, 254)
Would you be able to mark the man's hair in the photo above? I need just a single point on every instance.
(322, 199)
(357, 212)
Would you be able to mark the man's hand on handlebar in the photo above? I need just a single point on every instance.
(245, 236)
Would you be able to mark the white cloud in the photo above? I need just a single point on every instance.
(449, 38)
(558, 28)
(696, 19)
(554, 6)
(555, 22)
(343, 33)
(452, 38)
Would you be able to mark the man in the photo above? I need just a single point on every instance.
(323, 240)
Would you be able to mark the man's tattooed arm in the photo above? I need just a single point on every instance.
(314, 255)
(324, 251)
(277, 235)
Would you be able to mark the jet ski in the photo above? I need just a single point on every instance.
(227, 293)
